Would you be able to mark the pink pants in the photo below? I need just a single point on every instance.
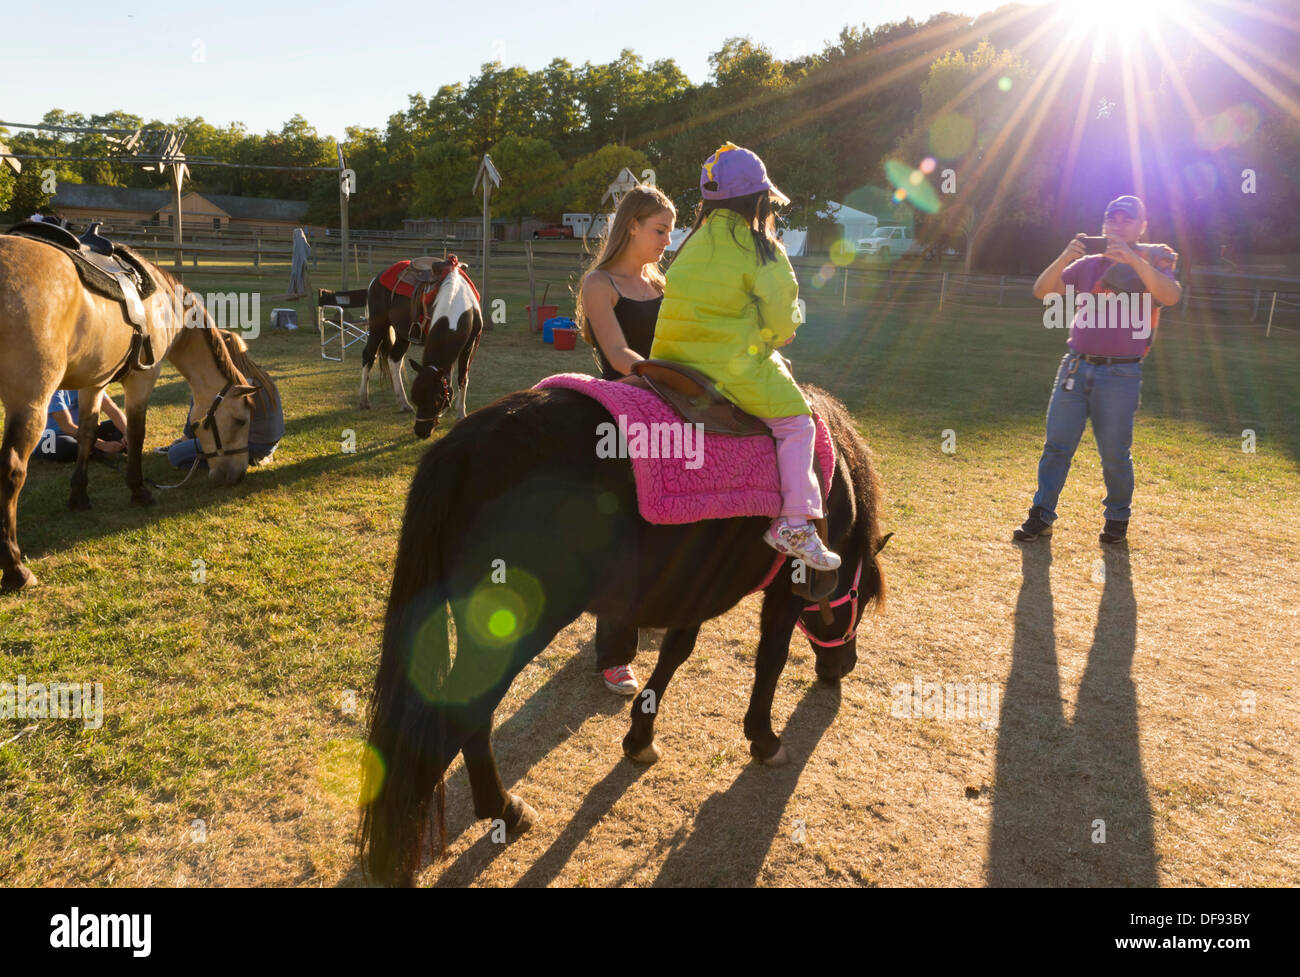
(801, 495)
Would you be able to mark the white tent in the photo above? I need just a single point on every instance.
(854, 224)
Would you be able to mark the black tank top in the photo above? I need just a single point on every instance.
(636, 317)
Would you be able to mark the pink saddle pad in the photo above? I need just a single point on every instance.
(720, 477)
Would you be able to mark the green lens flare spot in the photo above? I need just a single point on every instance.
(1004, 84)
(843, 252)
(951, 135)
(502, 623)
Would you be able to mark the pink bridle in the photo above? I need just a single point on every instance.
(850, 598)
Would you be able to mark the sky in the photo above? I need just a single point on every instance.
(331, 62)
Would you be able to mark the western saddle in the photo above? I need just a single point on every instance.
(107, 268)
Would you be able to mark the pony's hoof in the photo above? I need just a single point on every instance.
(80, 504)
(778, 759)
(648, 755)
(143, 497)
(14, 580)
(519, 816)
(364, 405)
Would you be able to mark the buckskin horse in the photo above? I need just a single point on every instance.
(57, 333)
(518, 489)
(424, 301)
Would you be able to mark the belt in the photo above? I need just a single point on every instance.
(1105, 360)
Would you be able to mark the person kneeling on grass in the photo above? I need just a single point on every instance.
(1101, 374)
(59, 439)
(266, 427)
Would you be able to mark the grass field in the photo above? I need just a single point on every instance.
(1152, 689)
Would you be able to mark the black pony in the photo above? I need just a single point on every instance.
(514, 521)
(454, 328)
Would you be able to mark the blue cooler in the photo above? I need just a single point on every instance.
(548, 327)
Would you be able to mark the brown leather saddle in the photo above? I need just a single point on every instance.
(424, 274)
(696, 398)
(112, 270)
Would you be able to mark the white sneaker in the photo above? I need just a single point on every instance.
(801, 542)
(621, 680)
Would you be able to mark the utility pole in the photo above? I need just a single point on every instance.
(489, 177)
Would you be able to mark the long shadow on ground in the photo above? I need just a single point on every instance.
(1070, 802)
(734, 830)
(550, 716)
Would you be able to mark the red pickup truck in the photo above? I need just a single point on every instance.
(553, 230)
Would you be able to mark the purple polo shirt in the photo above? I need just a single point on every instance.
(1115, 325)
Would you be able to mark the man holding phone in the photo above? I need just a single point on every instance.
(1100, 377)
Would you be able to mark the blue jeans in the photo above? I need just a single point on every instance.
(181, 453)
(1110, 396)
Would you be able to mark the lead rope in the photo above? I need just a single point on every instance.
(193, 465)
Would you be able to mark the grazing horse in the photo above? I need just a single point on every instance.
(514, 521)
(57, 334)
(450, 332)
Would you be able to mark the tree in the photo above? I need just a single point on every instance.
(443, 177)
(967, 103)
(532, 174)
(592, 175)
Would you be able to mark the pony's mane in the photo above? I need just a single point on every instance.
(268, 395)
(867, 494)
(221, 351)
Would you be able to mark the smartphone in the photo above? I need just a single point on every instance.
(1094, 245)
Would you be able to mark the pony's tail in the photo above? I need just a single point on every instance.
(381, 354)
(409, 747)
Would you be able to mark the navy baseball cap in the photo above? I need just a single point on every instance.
(1131, 205)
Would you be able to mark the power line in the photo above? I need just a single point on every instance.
(189, 161)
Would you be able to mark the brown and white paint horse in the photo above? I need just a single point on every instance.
(58, 335)
(450, 334)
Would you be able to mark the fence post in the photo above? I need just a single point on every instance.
(1254, 311)
(534, 313)
(257, 254)
(844, 293)
(1271, 307)
(943, 287)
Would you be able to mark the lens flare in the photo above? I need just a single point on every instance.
(912, 186)
(927, 165)
(951, 135)
(843, 252)
(499, 614)
(1004, 84)
(1231, 127)
(349, 769)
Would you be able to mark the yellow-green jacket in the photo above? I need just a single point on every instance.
(726, 315)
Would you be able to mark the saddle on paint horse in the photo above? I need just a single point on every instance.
(421, 278)
(112, 270)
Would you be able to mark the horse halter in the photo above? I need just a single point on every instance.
(210, 422)
(446, 386)
(850, 598)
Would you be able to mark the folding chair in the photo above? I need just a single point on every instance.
(332, 311)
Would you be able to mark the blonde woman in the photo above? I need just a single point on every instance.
(617, 308)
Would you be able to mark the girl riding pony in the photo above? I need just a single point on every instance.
(730, 302)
